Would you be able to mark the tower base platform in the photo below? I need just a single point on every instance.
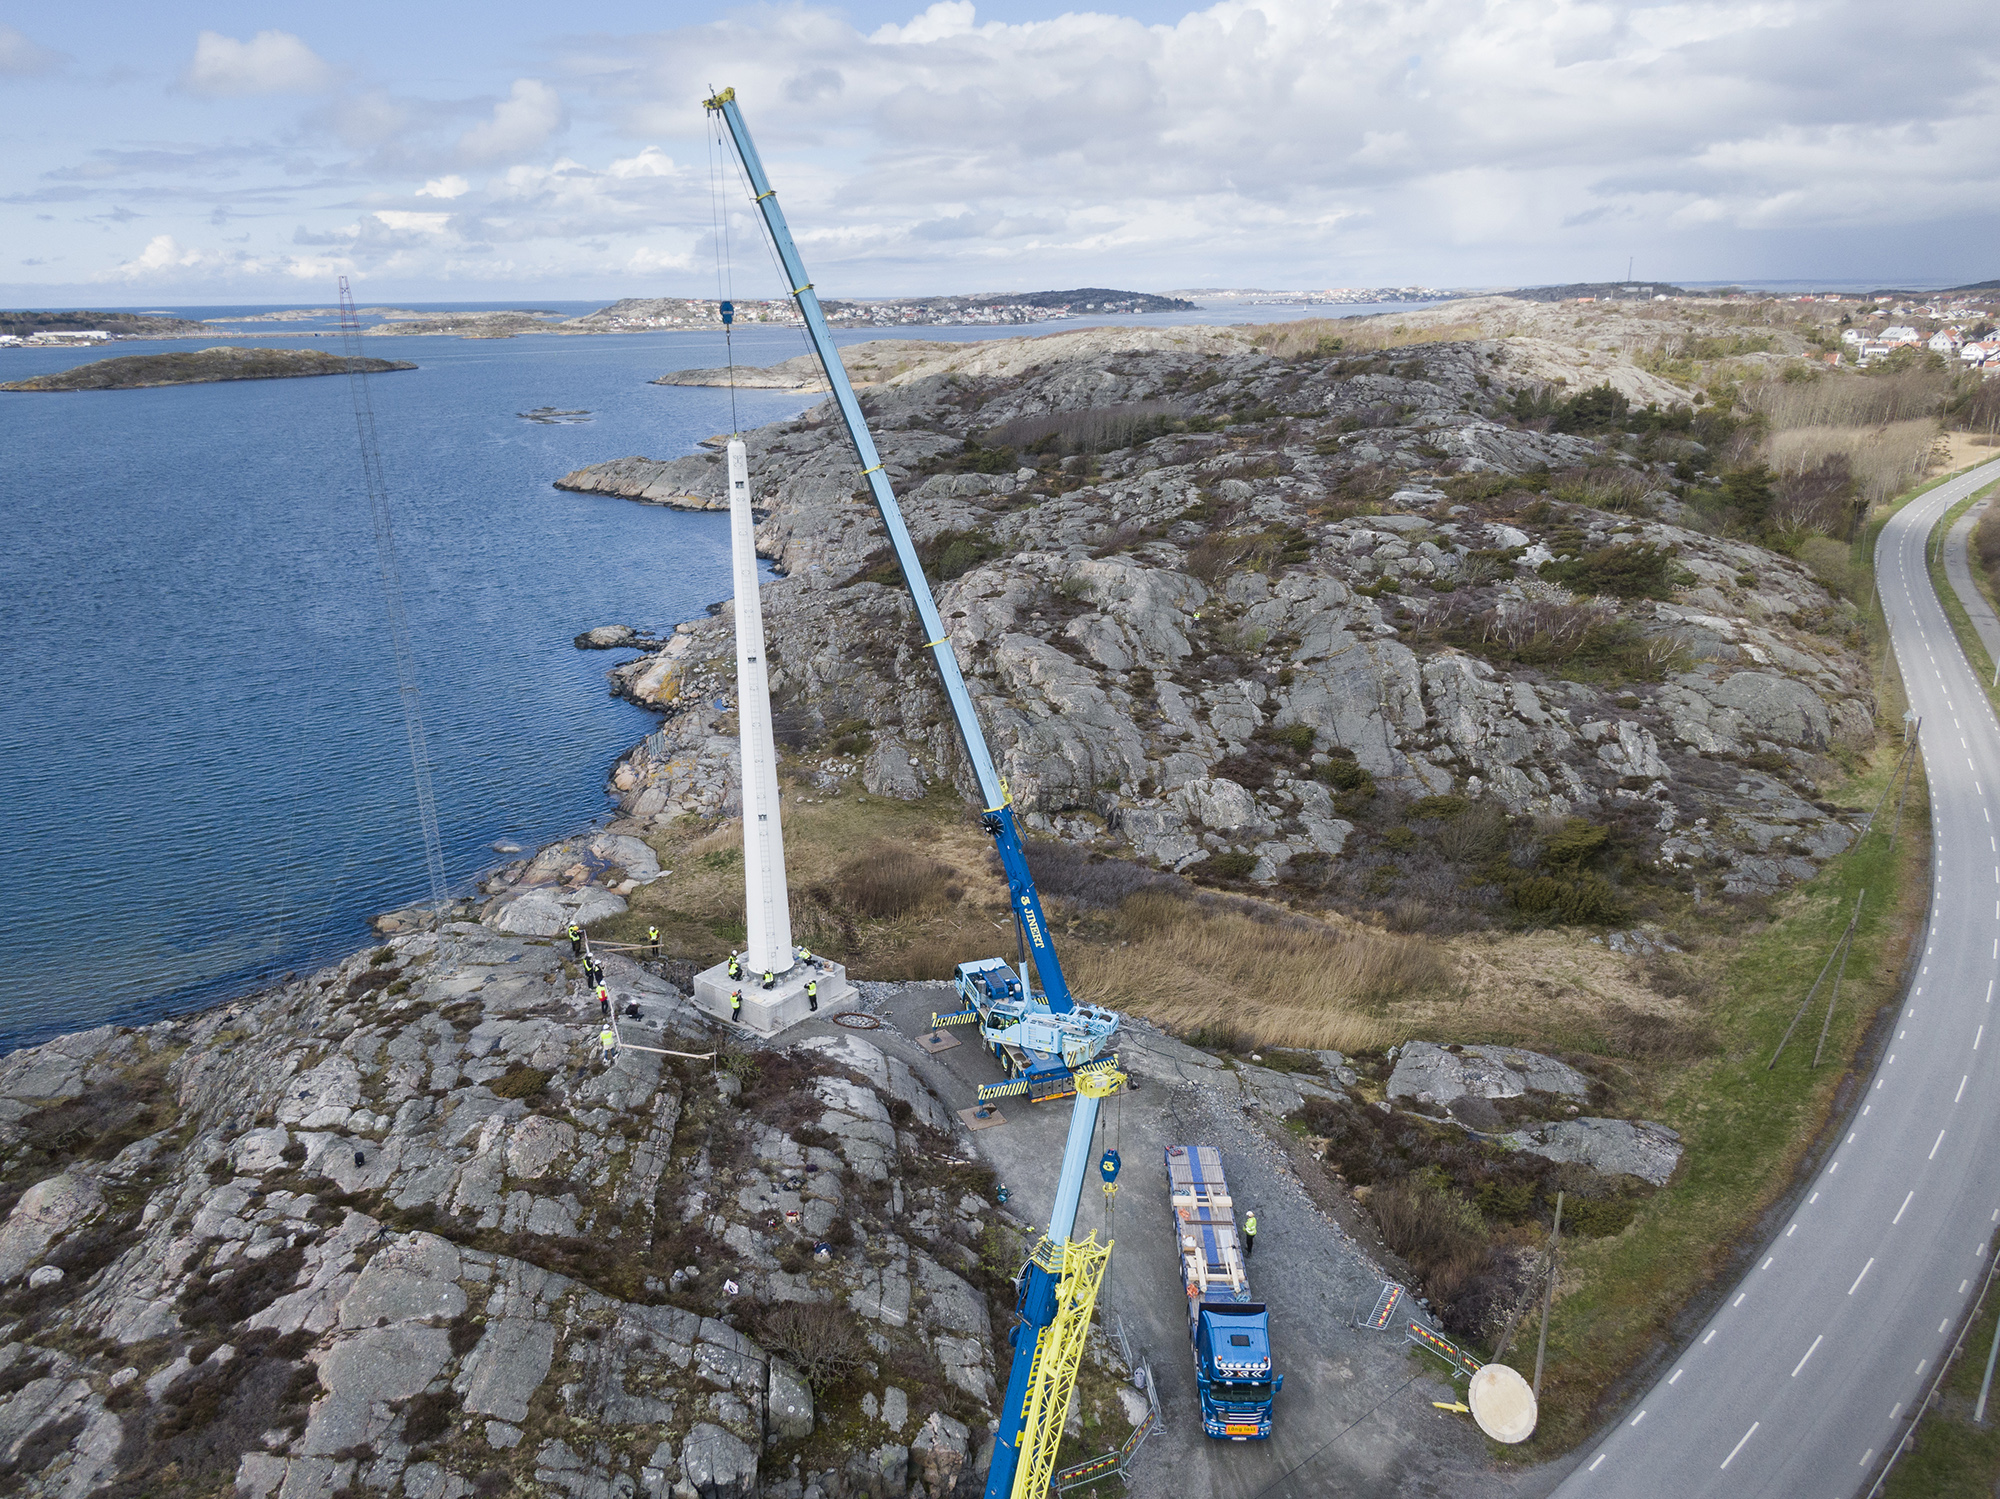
(767, 1011)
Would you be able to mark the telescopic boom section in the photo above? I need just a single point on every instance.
(999, 811)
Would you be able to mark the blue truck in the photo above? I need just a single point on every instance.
(1229, 1328)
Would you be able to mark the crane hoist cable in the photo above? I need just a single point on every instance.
(725, 268)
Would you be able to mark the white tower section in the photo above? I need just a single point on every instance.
(766, 909)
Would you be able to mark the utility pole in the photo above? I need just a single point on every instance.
(1548, 1296)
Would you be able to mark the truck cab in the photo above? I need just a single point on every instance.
(1232, 1366)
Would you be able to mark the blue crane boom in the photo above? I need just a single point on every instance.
(999, 811)
(1064, 1041)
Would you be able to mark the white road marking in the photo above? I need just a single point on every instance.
(1795, 1367)
(1711, 1333)
(1934, 1146)
(1637, 1419)
(1961, 1088)
(1739, 1445)
(1812, 1199)
(1862, 1464)
(1600, 1458)
(1674, 1377)
(1857, 1279)
(1904, 1208)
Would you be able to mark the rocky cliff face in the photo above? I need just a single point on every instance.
(399, 1229)
(1171, 637)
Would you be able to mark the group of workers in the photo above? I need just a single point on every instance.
(593, 976)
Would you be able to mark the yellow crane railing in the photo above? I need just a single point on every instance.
(1058, 1355)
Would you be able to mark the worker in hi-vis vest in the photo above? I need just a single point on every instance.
(735, 966)
(1249, 1234)
(608, 1039)
(653, 936)
(735, 1003)
(812, 994)
(575, 935)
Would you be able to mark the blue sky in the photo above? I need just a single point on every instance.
(232, 152)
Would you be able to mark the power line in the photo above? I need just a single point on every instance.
(392, 595)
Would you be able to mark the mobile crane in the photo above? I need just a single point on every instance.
(1061, 1046)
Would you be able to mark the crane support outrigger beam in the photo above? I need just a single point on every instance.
(998, 815)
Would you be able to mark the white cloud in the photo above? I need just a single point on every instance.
(449, 186)
(520, 124)
(22, 58)
(404, 222)
(271, 62)
(1451, 138)
(651, 162)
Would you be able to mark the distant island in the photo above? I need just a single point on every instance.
(26, 325)
(203, 367)
(633, 314)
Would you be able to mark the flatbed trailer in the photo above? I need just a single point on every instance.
(1227, 1326)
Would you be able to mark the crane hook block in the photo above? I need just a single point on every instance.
(1109, 1166)
(728, 313)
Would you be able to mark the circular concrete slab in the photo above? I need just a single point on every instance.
(1502, 1403)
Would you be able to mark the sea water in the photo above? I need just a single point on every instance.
(203, 765)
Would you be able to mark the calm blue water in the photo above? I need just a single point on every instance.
(202, 757)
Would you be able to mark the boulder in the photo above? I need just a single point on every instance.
(940, 1451)
(1776, 707)
(1425, 1068)
(788, 1404)
(889, 771)
(545, 912)
(1616, 1147)
(718, 1464)
(49, 1209)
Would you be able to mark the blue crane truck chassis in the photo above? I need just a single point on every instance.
(1231, 1332)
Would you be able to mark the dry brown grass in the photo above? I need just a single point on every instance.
(1285, 982)
(1883, 460)
(1317, 335)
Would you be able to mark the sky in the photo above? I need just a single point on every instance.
(227, 153)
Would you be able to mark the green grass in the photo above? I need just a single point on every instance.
(1744, 1128)
(1950, 1458)
(1954, 607)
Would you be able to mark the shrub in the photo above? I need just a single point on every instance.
(823, 1340)
(243, 1293)
(1099, 429)
(1229, 865)
(520, 1082)
(1638, 571)
(1581, 899)
(890, 881)
(1091, 879)
(1345, 776)
(428, 1416)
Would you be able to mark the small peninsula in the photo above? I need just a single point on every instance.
(201, 367)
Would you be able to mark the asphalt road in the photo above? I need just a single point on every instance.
(1818, 1361)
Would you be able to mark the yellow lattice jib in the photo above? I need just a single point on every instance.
(1058, 1355)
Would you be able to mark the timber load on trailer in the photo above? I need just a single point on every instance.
(1229, 1328)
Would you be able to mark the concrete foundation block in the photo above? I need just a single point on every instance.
(765, 1012)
